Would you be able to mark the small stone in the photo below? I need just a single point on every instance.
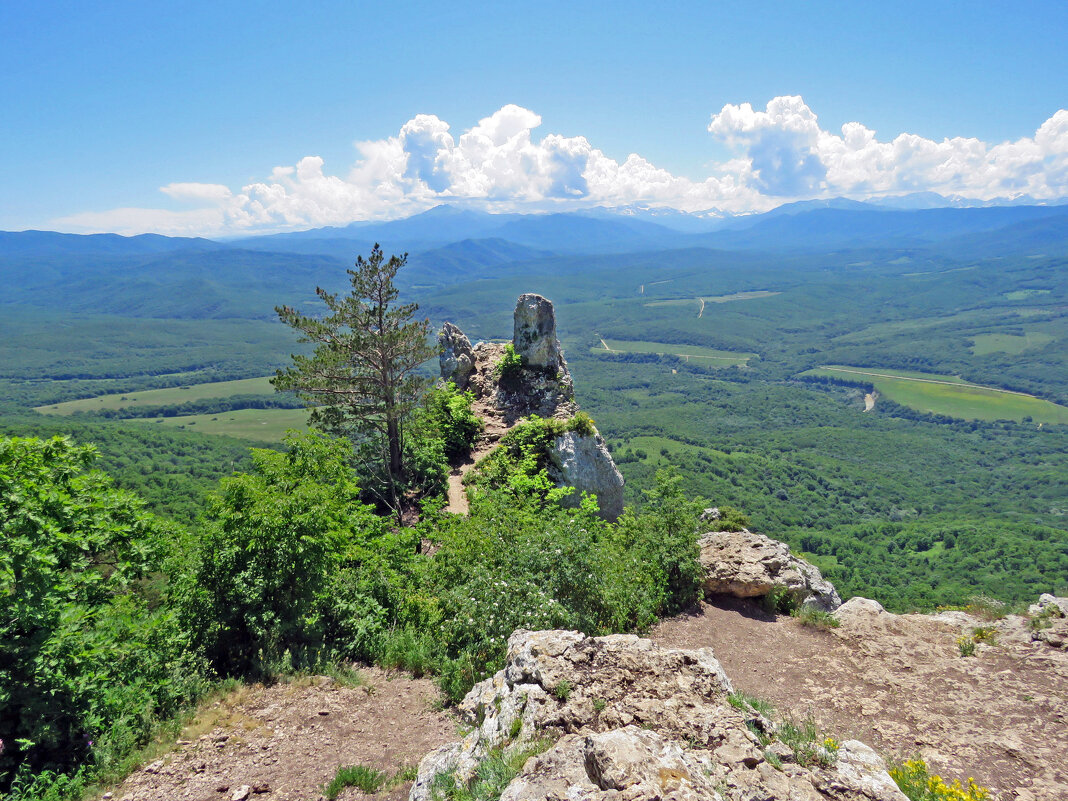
(781, 750)
(259, 789)
(324, 712)
(241, 793)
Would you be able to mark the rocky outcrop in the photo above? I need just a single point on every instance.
(1049, 621)
(631, 720)
(542, 386)
(583, 462)
(534, 333)
(457, 359)
(748, 565)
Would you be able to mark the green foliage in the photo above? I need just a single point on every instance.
(509, 366)
(261, 585)
(810, 746)
(917, 782)
(745, 702)
(495, 773)
(520, 463)
(816, 618)
(91, 657)
(512, 563)
(562, 691)
(447, 412)
(366, 780)
(730, 519)
(172, 472)
(966, 645)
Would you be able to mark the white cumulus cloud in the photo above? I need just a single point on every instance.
(780, 154)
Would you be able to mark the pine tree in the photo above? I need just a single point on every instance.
(361, 381)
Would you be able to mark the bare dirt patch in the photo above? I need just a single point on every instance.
(286, 741)
(898, 683)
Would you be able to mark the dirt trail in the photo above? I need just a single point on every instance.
(701, 313)
(287, 740)
(899, 683)
(496, 428)
(869, 401)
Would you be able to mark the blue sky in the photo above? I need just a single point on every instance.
(106, 104)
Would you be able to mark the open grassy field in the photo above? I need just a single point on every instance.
(258, 425)
(949, 395)
(1012, 344)
(696, 353)
(759, 293)
(164, 397)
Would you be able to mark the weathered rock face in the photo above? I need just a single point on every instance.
(584, 462)
(633, 721)
(457, 359)
(748, 565)
(1050, 614)
(529, 392)
(534, 333)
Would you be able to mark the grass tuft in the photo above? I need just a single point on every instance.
(366, 780)
(816, 618)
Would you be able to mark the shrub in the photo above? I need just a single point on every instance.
(92, 656)
(730, 519)
(916, 781)
(816, 618)
(966, 646)
(510, 364)
(259, 591)
(448, 412)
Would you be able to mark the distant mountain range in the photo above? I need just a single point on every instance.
(808, 225)
(152, 275)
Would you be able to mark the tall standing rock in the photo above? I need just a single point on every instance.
(534, 333)
(457, 359)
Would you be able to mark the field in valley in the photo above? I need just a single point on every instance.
(949, 395)
(258, 425)
(163, 397)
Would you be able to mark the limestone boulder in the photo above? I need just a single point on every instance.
(457, 358)
(748, 565)
(1049, 619)
(1050, 606)
(620, 718)
(534, 333)
(583, 462)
